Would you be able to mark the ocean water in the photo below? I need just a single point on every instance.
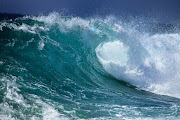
(66, 68)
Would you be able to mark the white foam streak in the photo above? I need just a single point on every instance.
(65, 24)
(24, 27)
(44, 110)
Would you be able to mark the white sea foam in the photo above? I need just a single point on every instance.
(12, 92)
(24, 27)
(64, 24)
(157, 71)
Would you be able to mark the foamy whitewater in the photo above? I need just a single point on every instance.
(151, 64)
(63, 67)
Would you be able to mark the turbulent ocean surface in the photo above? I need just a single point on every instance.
(54, 67)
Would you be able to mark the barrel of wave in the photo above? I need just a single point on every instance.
(139, 66)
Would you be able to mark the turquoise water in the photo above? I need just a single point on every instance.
(56, 67)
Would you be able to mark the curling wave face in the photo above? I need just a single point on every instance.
(153, 66)
(56, 67)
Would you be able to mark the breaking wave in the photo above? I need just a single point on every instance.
(64, 67)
